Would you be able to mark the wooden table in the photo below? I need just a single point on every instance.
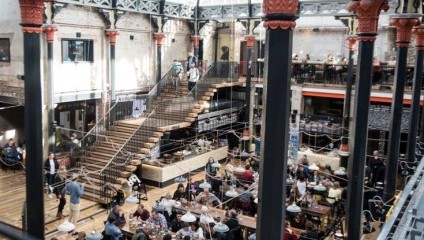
(318, 210)
(322, 211)
(129, 232)
(245, 222)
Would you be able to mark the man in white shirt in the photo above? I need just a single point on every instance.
(194, 76)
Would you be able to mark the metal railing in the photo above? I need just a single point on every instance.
(401, 224)
(162, 113)
(314, 72)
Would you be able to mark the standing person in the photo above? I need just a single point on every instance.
(191, 59)
(177, 71)
(50, 167)
(75, 191)
(193, 76)
(59, 183)
(210, 170)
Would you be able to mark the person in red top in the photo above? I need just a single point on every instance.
(288, 233)
(141, 213)
(247, 175)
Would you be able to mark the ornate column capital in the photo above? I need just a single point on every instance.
(250, 40)
(159, 37)
(404, 27)
(32, 12)
(112, 36)
(49, 30)
(280, 13)
(351, 40)
(196, 40)
(368, 12)
(418, 31)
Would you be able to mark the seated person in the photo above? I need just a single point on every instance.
(141, 213)
(197, 231)
(168, 203)
(246, 200)
(205, 217)
(310, 233)
(179, 193)
(335, 193)
(158, 219)
(119, 198)
(10, 152)
(247, 175)
(288, 233)
(231, 219)
(207, 198)
(177, 224)
(308, 199)
(184, 231)
(315, 177)
(111, 230)
(118, 214)
(214, 234)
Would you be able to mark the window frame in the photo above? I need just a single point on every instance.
(7, 41)
(90, 56)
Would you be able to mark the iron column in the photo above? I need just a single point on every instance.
(32, 19)
(344, 148)
(416, 93)
(49, 30)
(368, 13)
(196, 42)
(112, 41)
(158, 37)
(404, 24)
(250, 40)
(279, 22)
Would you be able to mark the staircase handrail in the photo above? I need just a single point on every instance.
(98, 122)
(122, 148)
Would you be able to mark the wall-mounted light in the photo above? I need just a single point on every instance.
(131, 37)
(78, 34)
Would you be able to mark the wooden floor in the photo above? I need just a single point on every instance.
(12, 193)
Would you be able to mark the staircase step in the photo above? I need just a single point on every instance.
(119, 180)
(196, 111)
(124, 128)
(127, 125)
(137, 162)
(99, 166)
(116, 133)
(94, 197)
(106, 149)
(149, 145)
(95, 183)
(101, 154)
(144, 150)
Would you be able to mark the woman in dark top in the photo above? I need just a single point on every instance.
(59, 184)
(179, 193)
(210, 170)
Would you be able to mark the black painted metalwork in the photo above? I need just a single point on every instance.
(395, 124)
(52, 130)
(248, 83)
(112, 71)
(346, 108)
(273, 166)
(415, 106)
(34, 135)
(359, 136)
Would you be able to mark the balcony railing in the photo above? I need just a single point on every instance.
(314, 72)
